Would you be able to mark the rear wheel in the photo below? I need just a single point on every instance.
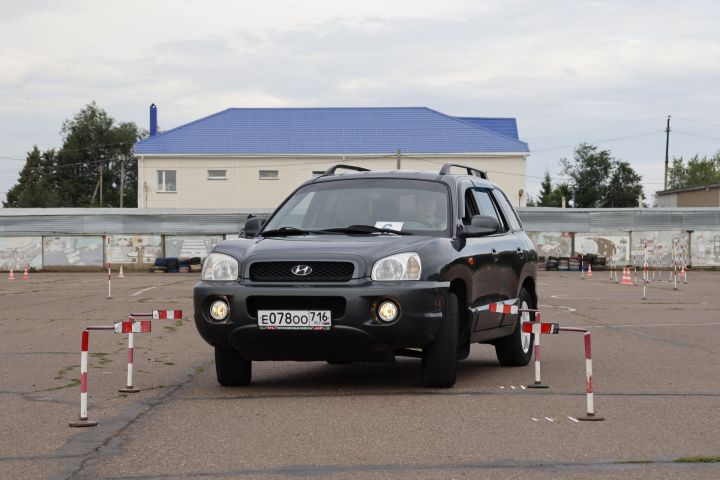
(516, 350)
(440, 358)
(231, 368)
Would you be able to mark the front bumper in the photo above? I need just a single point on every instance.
(356, 333)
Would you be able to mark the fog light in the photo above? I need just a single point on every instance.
(387, 311)
(219, 310)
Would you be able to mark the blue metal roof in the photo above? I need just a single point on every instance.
(503, 126)
(246, 131)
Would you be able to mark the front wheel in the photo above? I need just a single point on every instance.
(516, 350)
(231, 368)
(440, 358)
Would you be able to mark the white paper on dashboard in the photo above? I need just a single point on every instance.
(391, 225)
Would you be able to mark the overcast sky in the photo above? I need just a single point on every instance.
(569, 71)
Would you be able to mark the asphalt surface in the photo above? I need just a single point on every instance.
(656, 378)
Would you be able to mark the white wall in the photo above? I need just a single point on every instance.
(243, 188)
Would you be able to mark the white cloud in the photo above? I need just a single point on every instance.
(557, 66)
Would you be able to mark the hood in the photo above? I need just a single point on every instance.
(363, 251)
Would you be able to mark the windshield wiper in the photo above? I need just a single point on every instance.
(365, 229)
(286, 231)
(282, 231)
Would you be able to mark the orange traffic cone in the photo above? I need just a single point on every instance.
(26, 274)
(121, 275)
(12, 275)
(626, 280)
(589, 270)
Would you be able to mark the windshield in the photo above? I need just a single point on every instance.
(395, 204)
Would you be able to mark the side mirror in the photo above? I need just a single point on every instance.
(481, 225)
(253, 226)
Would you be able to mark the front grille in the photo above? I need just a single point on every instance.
(282, 272)
(336, 305)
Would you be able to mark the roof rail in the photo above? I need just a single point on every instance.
(445, 170)
(331, 170)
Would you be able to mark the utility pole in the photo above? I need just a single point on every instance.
(398, 154)
(101, 184)
(667, 146)
(122, 180)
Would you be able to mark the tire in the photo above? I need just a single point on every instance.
(440, 358)
(232, 370)
(516, 350)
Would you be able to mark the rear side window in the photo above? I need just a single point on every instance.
(486, 205)
(509, 212)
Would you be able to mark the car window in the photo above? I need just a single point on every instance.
(409, 205)
(487, 206)
(510, 214)
(471, 207)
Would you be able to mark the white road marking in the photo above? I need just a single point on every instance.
(512, 386)
(569, 309)
(657, 325)
(535, 419)
(522, 386)
(502, 387)
(549, 419)
(574, 419)
(143, 290)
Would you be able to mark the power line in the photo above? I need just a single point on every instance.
(699, 121)
(616, 139)
(592, 129)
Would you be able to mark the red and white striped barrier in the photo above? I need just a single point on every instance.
(128, 327)
(83, 421)
(537, 328)
(109, 283)
(131, 327)
(167, 314)
(590, 414)
(503, 308)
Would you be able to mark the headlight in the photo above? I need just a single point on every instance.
(219, 266)
(403, 266)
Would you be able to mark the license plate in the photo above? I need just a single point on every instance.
(294, 319)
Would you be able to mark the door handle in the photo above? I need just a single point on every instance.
(495, 254)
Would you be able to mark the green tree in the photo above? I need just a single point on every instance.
(589, 172)
(624, 188)
(699, 171)
(546, 190)
(599, 180)
(94, 147)
(36, 187)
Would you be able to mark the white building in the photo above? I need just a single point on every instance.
(253, 158)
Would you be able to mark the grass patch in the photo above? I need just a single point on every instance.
(709, 459)
(64, 371)
(634, 462)
(169, 363)
(102, 359)
(171, 328)
(73, 383)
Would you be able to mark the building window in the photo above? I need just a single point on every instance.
(167, 181)
(269, 175)
(217, 174)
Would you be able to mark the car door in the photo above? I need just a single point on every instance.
(482, 255)
(516, 250)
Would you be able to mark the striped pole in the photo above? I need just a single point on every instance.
(83, 421)
(536, 348)
(588, 383)
(109, 283)
(675, 277)
(645, 280)
(131, 347)
(582, 268)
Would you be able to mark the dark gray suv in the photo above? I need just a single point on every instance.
(367, 266)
